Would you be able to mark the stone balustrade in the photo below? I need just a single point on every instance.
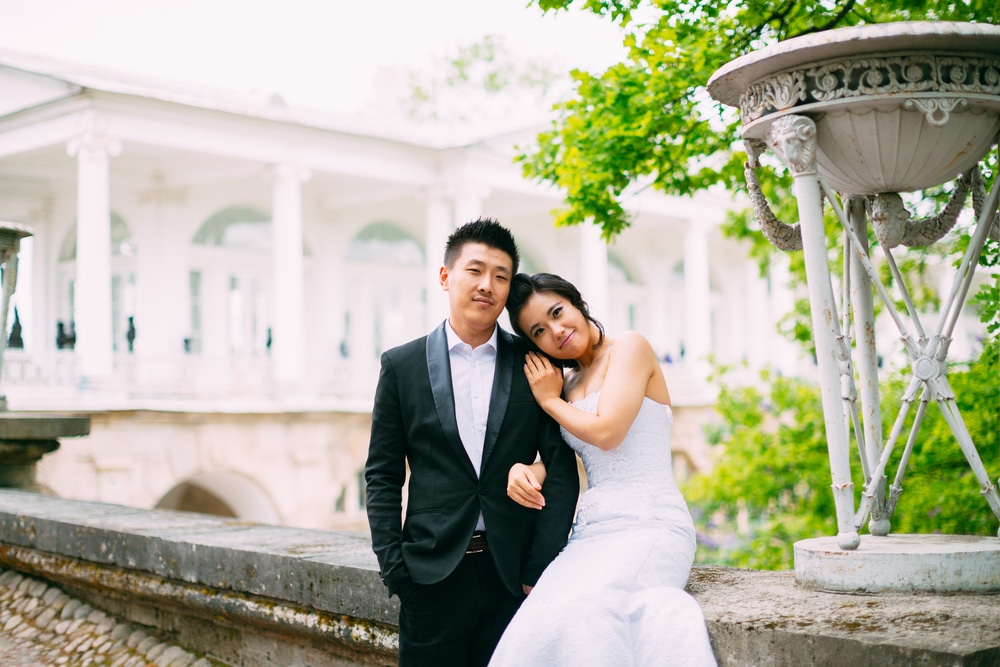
(252, 594)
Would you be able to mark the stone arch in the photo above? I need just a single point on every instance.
(122, 244)
(222, 493)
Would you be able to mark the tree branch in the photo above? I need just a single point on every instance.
(835, 21)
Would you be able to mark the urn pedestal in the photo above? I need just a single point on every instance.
(26, 437)
(858, 115)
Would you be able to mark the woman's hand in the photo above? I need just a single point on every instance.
(546, 380)
(524, 485)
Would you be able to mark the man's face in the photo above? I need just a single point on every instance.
(477, 286)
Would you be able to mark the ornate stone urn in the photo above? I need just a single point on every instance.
(859, 115)
(24, 437)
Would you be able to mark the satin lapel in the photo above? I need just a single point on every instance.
(439, 370)
(502, 380)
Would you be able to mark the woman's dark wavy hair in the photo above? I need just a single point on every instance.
(523, 286)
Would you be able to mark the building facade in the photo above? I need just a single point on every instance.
(213, 279)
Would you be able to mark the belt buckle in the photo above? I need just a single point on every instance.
(477, 544)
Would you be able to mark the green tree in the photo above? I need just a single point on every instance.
(649, 122)
(771, 483)
(481, 82)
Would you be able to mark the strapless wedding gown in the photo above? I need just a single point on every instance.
(615, 595)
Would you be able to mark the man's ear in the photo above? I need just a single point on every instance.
(443, 278)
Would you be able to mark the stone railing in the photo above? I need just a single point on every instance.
(49, 380)
(241, 593)
(222, 588)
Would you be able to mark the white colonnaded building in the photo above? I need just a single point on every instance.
(213, 277)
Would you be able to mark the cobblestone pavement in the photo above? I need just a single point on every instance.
(41, 626)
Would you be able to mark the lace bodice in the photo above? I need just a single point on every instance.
(635, 480)
(644, 455)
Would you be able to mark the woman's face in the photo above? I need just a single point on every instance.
(555, 325)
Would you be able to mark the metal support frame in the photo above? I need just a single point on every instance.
(793, 138)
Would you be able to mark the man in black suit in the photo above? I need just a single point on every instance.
(455, 407)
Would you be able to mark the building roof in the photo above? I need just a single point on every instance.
(67, 79)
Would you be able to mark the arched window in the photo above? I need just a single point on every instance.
(528, 264)
(122, 244)
(123, 288)
(383, 242)
(236, 227)
(229, 283)
(386, 296)
(625, 296)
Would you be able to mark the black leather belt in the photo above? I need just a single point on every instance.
(477, 544)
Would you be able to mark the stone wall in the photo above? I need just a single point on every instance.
(296, 468)
(241, 593)
(254, 595)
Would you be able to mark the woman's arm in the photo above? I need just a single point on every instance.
(524, 484)
(631, 364)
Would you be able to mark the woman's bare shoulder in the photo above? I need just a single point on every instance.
(633, 342)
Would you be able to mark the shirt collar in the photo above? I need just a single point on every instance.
(454, 341)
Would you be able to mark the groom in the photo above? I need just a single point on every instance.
(456, 408)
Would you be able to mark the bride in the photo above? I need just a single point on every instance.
(615, 595)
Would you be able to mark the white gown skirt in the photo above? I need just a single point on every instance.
(614, 597)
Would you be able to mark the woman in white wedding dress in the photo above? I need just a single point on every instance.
(615, 595)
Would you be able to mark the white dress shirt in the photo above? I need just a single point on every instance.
(472, 371)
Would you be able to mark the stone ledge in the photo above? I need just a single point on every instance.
(760, 619)
(41, 426)
(325, 570)
(182, 610)
(304, 589)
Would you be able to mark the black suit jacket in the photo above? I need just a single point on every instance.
(413, 422)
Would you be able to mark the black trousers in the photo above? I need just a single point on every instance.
(456, 622)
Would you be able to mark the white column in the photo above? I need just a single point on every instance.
(22, 298)
(214, 314)
(594, 270)
(362, 339)
(863, 305)
(325, 330)
(782, 354)
(794, 139)
(288, 325)
(38, 333)
(656, 294)
(162, 282)
(697, 300)
(759, 334)
(439, 224)
(92, 311)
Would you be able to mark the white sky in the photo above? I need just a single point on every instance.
(315, 53)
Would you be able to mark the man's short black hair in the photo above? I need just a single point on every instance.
(482, 230)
